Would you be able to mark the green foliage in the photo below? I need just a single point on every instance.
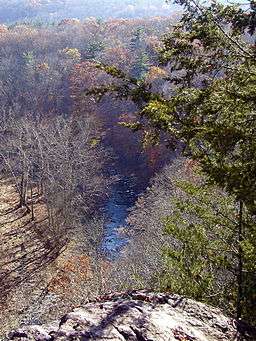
(203, 228)
(142, 65)
(93, 48)
(213, 81)
(203, 260)
(137, 38)
(72, 53)
(210, 111)
(29, 58)
(218, 129)
(142, 60)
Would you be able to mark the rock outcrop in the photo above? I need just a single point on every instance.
(142, 316)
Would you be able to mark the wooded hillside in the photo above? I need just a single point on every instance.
(55, 10)
(138, 134)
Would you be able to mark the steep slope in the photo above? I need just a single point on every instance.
(26, 244)
(42, 273)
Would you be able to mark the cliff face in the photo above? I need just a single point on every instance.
(142, 316)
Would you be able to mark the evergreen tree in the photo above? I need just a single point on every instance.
(142, 60)
(210, 110)
(212, 95)
(203, 260)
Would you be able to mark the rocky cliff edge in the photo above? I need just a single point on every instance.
(141, 316)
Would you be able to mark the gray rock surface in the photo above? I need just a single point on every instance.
(142, 316)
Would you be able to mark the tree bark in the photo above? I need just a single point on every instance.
(21, 191)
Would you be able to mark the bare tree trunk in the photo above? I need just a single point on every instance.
(21, 191)
(25, 187)
(32, 203)
(50, 215)
(240, 264)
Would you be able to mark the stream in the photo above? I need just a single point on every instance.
(122, 197)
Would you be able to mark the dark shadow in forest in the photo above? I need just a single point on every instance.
(28, 264)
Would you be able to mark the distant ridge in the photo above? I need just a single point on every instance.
(12, 11)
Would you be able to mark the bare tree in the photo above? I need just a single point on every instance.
(53, 161)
